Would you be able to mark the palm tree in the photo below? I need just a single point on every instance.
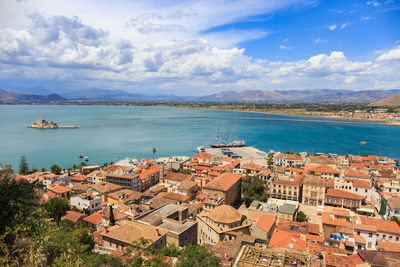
(154, 150)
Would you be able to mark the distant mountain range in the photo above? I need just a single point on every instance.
(251, 96)
(392, 101)
(11, 97)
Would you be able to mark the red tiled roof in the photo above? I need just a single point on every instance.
(97, 217)
(351, 173)
(285, 239)
(224, 181)
(360, 183)
(382, 225)
(298, 179)
(79, 178)
(264, 221)
(331, 192)
(322, 169)
(386, 246)
(144, 175)
(174, 176)
(73, 216)
(59, 189)
(176, 196)
(330, 219)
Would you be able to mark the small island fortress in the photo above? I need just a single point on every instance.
(43, 124)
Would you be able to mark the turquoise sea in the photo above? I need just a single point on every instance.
(109, 133)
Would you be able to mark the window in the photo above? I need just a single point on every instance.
(370, 234)
(369, 244)
(358, 232)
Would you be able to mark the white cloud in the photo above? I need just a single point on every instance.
(373, 3)
(178, 48)
(332, 27)
(345, 25)
(391, 55)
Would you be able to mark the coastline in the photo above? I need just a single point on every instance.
(281, 112)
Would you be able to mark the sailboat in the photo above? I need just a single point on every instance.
(220, 144)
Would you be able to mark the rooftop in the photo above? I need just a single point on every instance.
(130, 231)
(223, 182)
(224, 214)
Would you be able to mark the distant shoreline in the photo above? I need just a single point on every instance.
(289, 112)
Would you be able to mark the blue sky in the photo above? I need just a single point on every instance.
(199, 47)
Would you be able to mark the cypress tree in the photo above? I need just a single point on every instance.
(23, 166)
(112, 219)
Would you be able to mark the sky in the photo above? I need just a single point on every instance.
(199, 47)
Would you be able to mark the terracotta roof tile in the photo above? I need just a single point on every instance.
(223, 182)
(264, 221)
(74, 216)
(285, 239)
(342, 194)
(382, 225)
(59, 189)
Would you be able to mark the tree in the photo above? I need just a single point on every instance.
(23, 166)
(33, 170)
(301, 217)
(154, 150)
(43, 169)
(55, 169)
(197, 256)
(253, 188)
(112, 219)
(56, 208)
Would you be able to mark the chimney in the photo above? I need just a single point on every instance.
(158, 232)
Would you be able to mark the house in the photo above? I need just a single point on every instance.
(148, 178)
(283, 239)
(391, 205)
(263, 226)
(310, 231)
(97, 176)
(313, 191)
(103, 189)
(175, 178)
(287, 188)
(123, 234)
(80, 178)
(286, 212)
(369, 233)
(341, 198)
(226, 185)
(176, 221)
(324, 171)
(59, 191)
(188, 188)
(101, 218)
(387, 231)
(222, 223)
(86, 202)
(50, 178)
(288, 160)
(74, 216)
(124, 195)
(202, 157)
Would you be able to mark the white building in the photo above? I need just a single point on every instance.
(367, 232)
(50, 178)
(86, 202)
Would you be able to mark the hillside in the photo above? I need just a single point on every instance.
(393, 101)
(10, 97)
